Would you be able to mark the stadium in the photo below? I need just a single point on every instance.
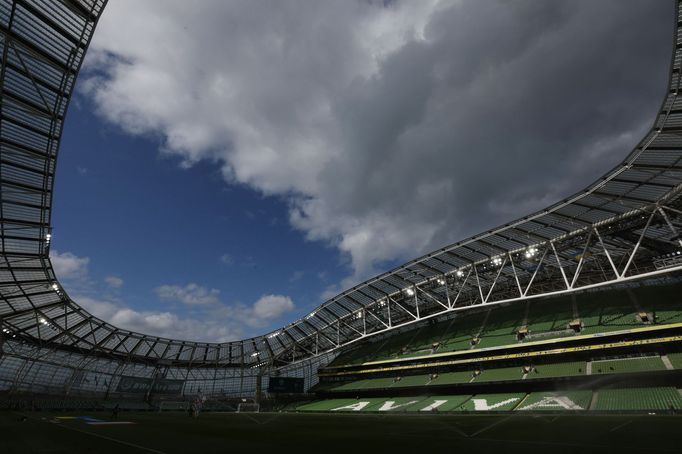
(560, 330)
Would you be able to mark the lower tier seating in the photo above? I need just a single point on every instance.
(626, 399)
(556, 401)
(675, 360)
(662, 398)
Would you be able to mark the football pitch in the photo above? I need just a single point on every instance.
(73, 433)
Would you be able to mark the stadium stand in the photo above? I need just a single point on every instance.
(614, 366)
(558, 370)
(491, 402)
(372, 383)
(556, 401)
(675, 360)
(663, 398)
(451, 378)
(501, 374)
(516, 341)
(626, 399)
(592, 314)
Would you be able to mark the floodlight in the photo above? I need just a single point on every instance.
(441, 281)
(460, 273)
(409, 292)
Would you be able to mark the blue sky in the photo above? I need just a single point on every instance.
(226, 167)
(142, 221)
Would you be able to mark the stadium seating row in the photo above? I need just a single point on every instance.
(615, 366)
(598, 312)
(626, 399)
(567, 369)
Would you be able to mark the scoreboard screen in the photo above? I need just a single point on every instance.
(285, 385)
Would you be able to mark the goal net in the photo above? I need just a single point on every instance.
(168, 405)
(248, 407)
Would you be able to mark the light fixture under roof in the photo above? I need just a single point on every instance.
(531, 252)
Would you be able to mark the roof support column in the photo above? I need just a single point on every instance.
(639, 241)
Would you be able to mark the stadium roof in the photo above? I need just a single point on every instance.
(623, 227)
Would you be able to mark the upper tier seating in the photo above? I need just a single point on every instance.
(586, 314)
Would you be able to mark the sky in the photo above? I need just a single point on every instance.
(227, 165)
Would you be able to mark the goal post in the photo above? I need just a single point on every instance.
(248, 407)
(168, 405)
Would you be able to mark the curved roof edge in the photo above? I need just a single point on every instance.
(621, 228)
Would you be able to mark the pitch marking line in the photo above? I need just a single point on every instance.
(619, 426)
(104, 437)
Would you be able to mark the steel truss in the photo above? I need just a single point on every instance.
(624, 227)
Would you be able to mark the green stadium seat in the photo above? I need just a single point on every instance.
(491, 402)
(501, 374)
(597, 312)
(452, 378)
(616, 366)
(558, 370)
(663, 398)
(676, 360)
(556, 401)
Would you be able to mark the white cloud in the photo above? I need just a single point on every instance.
(191, 294)
(114, 281)
(270, 307)
(213, 323)
(67, 265)
(379, 121)
(227, 259)
(162, 323)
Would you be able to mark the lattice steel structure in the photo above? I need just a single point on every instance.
(624, 227)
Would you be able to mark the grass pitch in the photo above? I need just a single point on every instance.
(169, 433)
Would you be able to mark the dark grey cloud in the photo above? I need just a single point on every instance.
(391, 127)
